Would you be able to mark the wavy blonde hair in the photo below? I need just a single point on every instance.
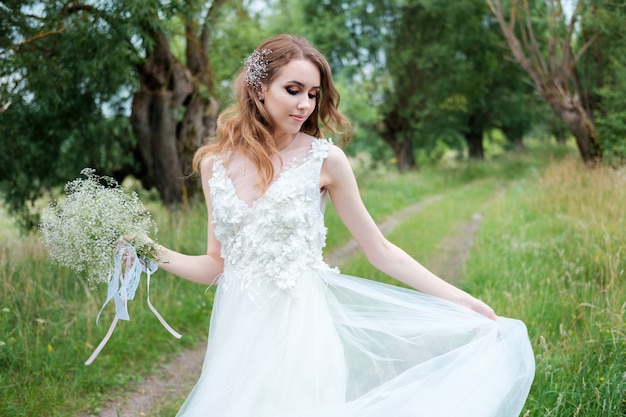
(246, 126)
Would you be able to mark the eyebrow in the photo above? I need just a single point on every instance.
(298, 83)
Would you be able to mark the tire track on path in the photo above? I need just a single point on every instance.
(175, 378)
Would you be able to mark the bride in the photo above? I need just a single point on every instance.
(290, 336)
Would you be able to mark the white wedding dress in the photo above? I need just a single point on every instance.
(292, 337)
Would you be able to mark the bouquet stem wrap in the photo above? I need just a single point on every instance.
(122, 285)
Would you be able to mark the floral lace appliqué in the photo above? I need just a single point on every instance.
(269, 247)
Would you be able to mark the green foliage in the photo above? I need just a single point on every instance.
(612, 130)
(602, 73)
(611, 117)
(356, 105)
(68, 99)
(70, 91)
(238, 33)
(434, 71)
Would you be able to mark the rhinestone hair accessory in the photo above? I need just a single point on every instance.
(256, 68)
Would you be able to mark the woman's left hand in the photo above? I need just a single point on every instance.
(480, 307)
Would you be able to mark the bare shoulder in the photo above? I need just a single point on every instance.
(336, 154)
(336, 166)
(206, 166)
(337, 157)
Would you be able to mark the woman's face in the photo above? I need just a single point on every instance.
(291, 97)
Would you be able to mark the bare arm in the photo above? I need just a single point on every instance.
(338, 178)
(202, 269)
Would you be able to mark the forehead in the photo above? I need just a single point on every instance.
(300, 70)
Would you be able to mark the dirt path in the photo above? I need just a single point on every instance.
(455, 249)
(175, 378)
(171, 380)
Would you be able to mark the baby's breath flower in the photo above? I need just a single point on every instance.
(83, 232)
(102, 229)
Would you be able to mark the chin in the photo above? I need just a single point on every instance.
(292, 131)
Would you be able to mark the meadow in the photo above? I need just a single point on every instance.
(550, 251)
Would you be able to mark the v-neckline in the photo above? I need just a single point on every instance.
(271, 186)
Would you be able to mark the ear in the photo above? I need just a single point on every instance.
(260, 93)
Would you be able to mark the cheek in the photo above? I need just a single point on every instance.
(287, 101)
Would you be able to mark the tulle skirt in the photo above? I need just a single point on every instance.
(350, 347)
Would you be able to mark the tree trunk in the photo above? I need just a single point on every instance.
(571, 111)
(475, 145)
(165, 85)
(515, 138)
(403, 151)
(561, 139)
(199, 121)
(474, 138)
(155, 130)
(400, 143)
(167, 141)
(197, 125)
(555, 78)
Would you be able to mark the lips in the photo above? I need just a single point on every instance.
(298, 118)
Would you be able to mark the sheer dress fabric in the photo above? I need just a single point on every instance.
(291, 336)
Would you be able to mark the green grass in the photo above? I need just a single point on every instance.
(384, 192)
(422, 233)
(47, 328)
(550, 251)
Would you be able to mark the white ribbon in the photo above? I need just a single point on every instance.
(122, 285)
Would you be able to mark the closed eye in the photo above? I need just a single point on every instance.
(293, 92)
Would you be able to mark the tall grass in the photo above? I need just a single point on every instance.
(552, 253)
(47, 327)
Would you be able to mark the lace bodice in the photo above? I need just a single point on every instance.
(270, 244)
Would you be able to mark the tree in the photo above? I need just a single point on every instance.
(601, 72)
(173, 112)
(58, 86)
(487, 91)
(553, 65)
(433, 69)
(176, 106)
(70, 93)
(6, 88)
(517, 108)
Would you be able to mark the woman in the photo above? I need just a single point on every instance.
(291, 336)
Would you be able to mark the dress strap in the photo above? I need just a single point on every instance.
(319, 148)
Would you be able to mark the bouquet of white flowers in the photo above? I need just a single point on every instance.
(103, 230)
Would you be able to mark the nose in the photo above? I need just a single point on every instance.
(304, 104)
